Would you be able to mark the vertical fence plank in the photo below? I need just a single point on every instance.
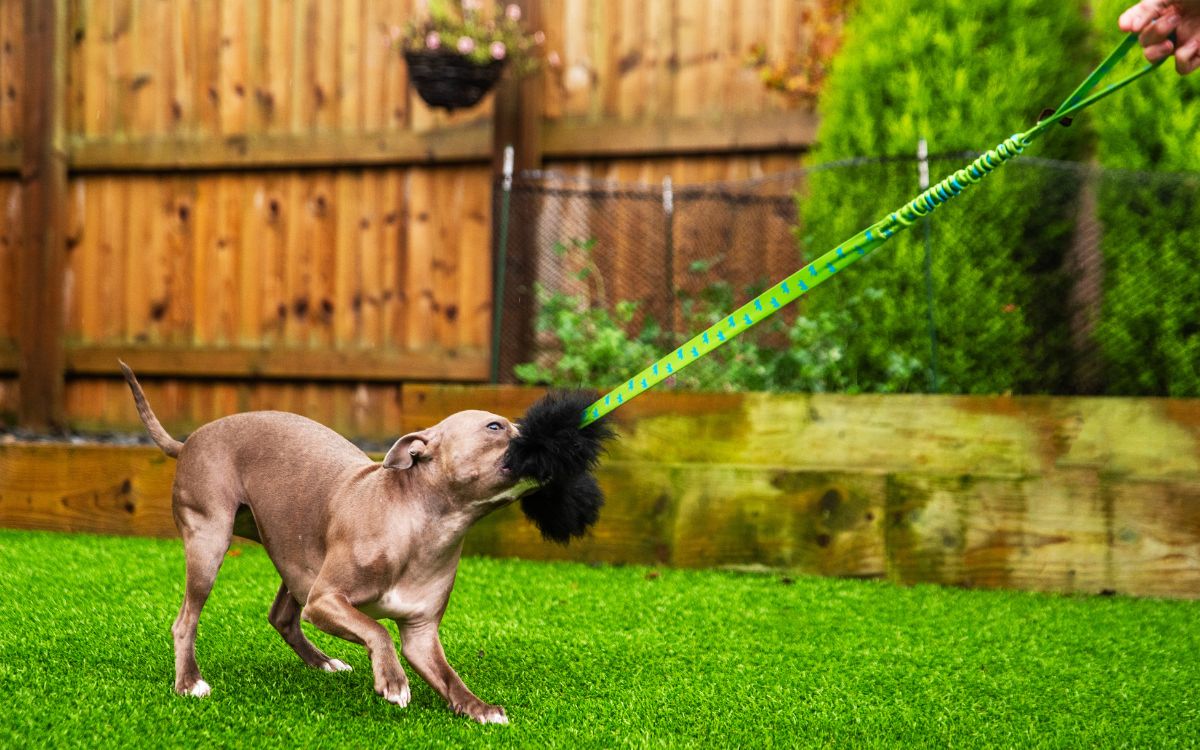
(208, 68)
(632, 59)
(349, 78)
(553, 14)
(395, 72)
(374, 31)
(347, 254)
(155, 257)
(689, 29)
(575, 55)
(296, 265)
(474, 261)
(140, 269)
(186, 51)
(276, 101)
(205, 284)
(144, 67)
(10, 239)
(12, 68)
(85, 262)
(275, 259)
(716, 55)
(228, 251)
(257, 49)
(177, 212)
(253, 269)
(233, 51)
(97, 39)
(74, 91)
(120, 66)
(422, 237)
(325, 83)
(325, 213)
(446, 213)
(395, 302)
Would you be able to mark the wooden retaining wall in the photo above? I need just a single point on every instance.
(1038, 493)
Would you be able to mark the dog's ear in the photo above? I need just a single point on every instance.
(407, 450)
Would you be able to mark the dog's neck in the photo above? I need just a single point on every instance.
(445, 507)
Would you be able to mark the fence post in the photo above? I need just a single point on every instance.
(41, 258)
(669, 251)
(923, 178)
(517, 121)
(501, 260)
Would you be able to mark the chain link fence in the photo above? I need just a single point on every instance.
(1048, 277)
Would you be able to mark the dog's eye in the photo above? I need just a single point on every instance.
(495, 426)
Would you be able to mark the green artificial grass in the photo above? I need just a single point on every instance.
(592, 657)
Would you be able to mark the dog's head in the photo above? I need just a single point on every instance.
(465, 452)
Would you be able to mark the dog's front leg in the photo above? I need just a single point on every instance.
(421, 646)
(332, 612)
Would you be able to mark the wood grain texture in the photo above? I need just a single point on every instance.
(240, 67)
(1046, 494)
(10, 237)
(252, 273)
(97, 489)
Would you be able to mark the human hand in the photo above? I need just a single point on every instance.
(1154, 20)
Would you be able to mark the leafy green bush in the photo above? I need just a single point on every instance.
(599, 349)
(1149, 330)
(596, 349)
(965, 74)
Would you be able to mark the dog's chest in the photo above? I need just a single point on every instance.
(399, 603)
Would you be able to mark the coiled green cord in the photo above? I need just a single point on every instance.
(863, 243)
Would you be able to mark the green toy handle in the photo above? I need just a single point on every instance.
(848, 252)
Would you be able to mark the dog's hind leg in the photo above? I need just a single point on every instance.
(207, 529)
(285, 617)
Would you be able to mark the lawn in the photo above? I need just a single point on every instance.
(592, 657)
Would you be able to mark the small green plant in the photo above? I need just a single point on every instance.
(596, 348)
(807, 355)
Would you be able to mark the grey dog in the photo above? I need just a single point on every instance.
(355, 541)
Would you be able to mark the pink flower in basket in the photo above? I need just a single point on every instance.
(432, 40)
(466, 45)
(513, 12)
(498, 50)
(538, 37)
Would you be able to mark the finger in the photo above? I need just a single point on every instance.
(1136, 18)
(1187, 58)
(1160, 30)
(1159, 52)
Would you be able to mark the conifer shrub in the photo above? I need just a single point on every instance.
(1149, 329)
(964, 74)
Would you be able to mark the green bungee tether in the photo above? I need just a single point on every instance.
(863, 243)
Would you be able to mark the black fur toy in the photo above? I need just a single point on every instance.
(554, 451)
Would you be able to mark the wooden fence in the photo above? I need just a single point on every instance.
(1036, 493)
(249, 190)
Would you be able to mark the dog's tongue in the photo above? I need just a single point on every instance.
(554, 451)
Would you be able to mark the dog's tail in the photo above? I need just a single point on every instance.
(169, 445)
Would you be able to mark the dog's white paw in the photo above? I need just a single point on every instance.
(401, 698)
(200, 689)
(494, 719)
(337, 665)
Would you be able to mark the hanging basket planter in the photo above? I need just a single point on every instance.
(447, 79)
